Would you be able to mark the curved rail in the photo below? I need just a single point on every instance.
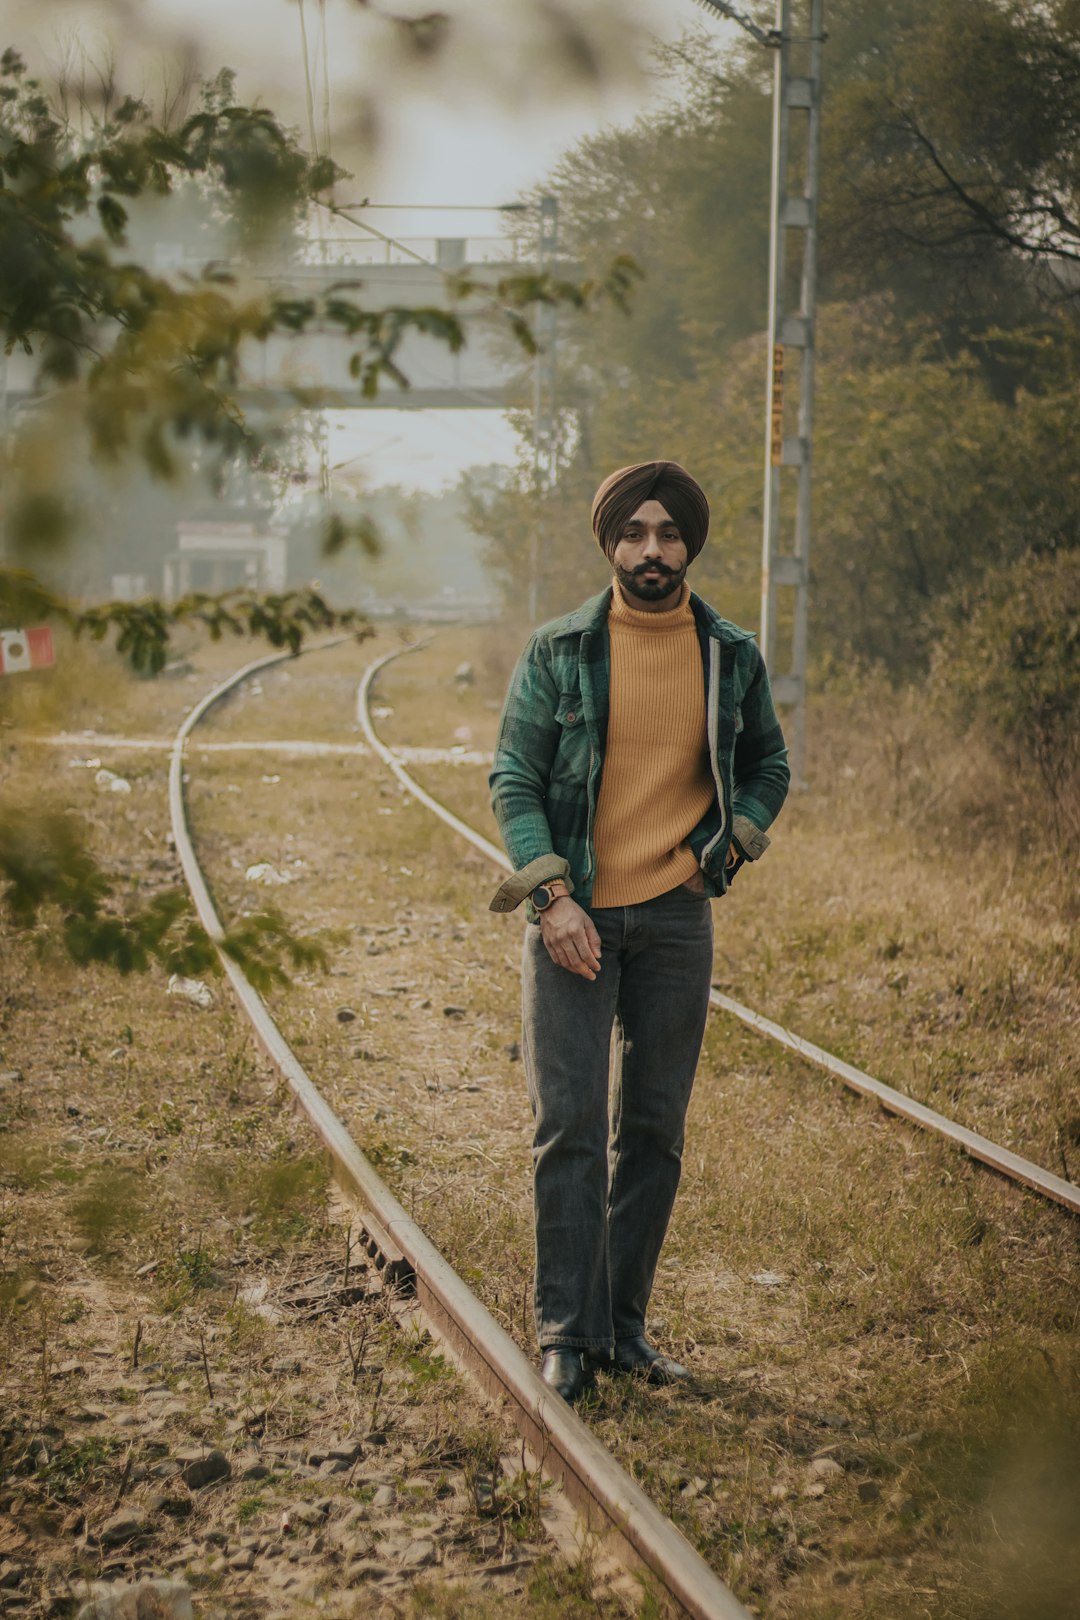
(608, 1500)
(896, 1102)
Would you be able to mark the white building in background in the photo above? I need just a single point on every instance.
(129, 587)
(215, 555)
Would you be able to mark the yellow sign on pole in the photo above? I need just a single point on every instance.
(778, 404)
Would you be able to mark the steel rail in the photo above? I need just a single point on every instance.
(610, 1503)
(391, 761)
(970, 1142)
(992, 1154)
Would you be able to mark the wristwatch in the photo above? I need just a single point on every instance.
(546, 893)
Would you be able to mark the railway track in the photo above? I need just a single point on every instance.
(1002, 1159)
(609, 1503)
(393, 1235)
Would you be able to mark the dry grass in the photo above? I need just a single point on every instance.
(846, 1287)
(923, 1332)
(90, 688)
(929, 948)
(150, 1169)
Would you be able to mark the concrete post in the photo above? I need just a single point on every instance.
(545, 420)
(791, 342)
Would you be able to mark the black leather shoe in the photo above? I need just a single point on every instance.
(567, 1371)
(638, 1358)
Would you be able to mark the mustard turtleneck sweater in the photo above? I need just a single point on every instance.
(656, 785)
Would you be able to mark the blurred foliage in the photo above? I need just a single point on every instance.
(145, 368)
(52, 887)
(262, 941)
(1009, 656)
(110, 1207)
(140, 369)
(156, 359)
(159, 359)
(284, 619)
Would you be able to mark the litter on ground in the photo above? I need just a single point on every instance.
(111, 782)
(193, 990)
(267, 875)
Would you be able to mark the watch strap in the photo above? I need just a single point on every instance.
(519, 885)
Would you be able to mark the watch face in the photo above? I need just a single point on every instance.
(541, 897)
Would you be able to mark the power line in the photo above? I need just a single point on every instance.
(326, 80)
(391, 241)
(764, 36)
(309, 93)
(444, 208)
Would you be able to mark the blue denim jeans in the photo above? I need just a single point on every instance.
(604, 1186)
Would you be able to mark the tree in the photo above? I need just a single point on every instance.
(135, 365)
(946, 391)
(685, 190)
(960, 146)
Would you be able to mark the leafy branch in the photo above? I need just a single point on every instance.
(968, 140)
(154, 366)
(46, 869)
(283, 619)
(143, 629)
(260, 942)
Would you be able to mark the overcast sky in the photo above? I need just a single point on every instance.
(484, 127)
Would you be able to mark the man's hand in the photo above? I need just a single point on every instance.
(570, 938)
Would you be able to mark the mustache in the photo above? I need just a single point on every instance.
(654, 567)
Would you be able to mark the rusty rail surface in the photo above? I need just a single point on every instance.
(609, 1502)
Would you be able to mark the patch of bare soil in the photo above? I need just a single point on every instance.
(204, 1379)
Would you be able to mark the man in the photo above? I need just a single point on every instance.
(638, 764)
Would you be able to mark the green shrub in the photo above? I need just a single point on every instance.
(111, 1207)
(287, 1194)
(1008, 661)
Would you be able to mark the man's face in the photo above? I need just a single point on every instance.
(650, 558)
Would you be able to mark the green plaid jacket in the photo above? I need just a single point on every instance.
(549, 755)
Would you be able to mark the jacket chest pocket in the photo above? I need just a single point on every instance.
(571, 763)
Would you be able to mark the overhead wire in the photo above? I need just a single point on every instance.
(326, 80)
(321, 432)
(764, 36)
(312, 136)
(481, 396)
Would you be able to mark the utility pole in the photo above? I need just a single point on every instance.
(545, 420)
(793, 208)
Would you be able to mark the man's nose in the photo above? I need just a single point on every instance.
(653, 547)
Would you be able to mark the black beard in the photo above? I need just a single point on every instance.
(650, 590)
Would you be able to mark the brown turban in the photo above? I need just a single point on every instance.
(620, 495)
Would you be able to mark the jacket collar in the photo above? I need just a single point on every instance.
(591, 615)
(714, 625)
